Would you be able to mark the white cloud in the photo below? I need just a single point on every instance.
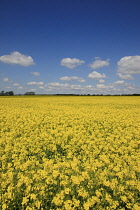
(41, 87)
(57, 87)
(80, 80)
(98, 63)
(57, 84)
(20, 87)
(89, 87)
(76, 87)
(60, 86)
(125, 76)
(119, 82)
(31, 83)
(40, 83)
(72, 78)
(130, 88)
(17, 58)
(97, 58)
(105, 89)
(8, 87)
(5, 79)
(100, 86)
(96, 75)
(128, 85)
(35, 83)
(65, 78)
(71, 62)
(35, 73)
(101, 80)
(129, 65)
(15, 84)
(32, 90)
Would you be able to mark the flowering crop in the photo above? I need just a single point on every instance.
(70, 153)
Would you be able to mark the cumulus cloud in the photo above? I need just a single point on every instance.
(35, 83)
(60, 86)
(65, 78)
(15, 84)
(98, 63)
(41, 87)
(125, 76)
(72, 78)
(32, 90)
(17, 58)
(57, 84)
(96, 75)
(101, 80)
(129, 65)
(20, 87)
(35, 73)
(40, 83)
(119, 82)
(100, 86)
(98, 89)
(71, 62)
(5, 79)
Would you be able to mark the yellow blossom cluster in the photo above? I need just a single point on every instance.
(70, 152)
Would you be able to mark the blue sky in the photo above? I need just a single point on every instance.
(70, 46)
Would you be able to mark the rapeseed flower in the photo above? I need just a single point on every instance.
(70, 153)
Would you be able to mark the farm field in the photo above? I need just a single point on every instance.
(70, 152)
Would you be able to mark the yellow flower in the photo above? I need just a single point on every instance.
(86, 206)
(33, 196)
(67, 190)
(25, 200)
(124, 198)
(75, 180)
(67, 152)
(4, 206)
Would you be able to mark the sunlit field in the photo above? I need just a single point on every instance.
(70, 152)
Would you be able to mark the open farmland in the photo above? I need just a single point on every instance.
(70, 152)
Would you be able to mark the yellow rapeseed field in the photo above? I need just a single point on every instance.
(70, 152)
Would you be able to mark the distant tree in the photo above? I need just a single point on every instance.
(136, 94)
(29, 93)
(2, 93)
(6, 93)
(9, 93)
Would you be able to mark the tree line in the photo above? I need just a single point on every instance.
(8, 93)
(11, 93)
